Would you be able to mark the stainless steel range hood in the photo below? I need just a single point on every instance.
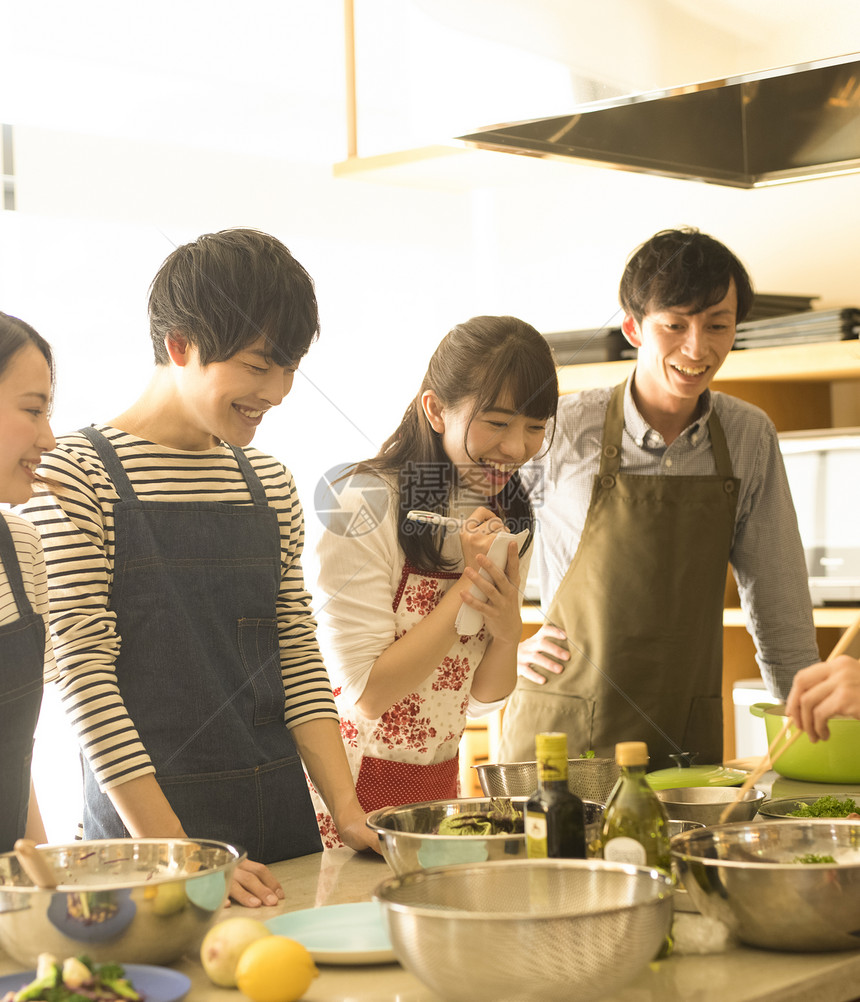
(787, 124)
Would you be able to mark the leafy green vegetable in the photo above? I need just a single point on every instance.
(588, 754)
(811, 857)
(502, 819)
(104, 979)
(826, 807)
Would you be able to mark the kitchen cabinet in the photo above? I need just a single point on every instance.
(800, 386)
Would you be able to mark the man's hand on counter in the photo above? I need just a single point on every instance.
(253, 885)
(540, 654)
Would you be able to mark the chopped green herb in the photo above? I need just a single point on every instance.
(811, 857)
(826, 807)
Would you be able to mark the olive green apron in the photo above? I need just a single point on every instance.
(641, 605)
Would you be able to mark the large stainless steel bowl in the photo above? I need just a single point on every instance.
(745, 875)
(589, 778)
(136, 901)
(408, 840)
(705, 804)
(545, 930)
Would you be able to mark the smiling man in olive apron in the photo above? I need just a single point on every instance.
(650, 490)
(183, 631)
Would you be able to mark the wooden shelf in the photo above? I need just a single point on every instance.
(831, 617)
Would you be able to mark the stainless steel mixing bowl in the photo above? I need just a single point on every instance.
(705, 804)
(408, 840)
(745, 875)
(136, 901)
(589, 778)
(547, 930)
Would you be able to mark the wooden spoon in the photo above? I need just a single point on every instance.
(34, 864)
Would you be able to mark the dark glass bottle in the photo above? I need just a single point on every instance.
(635, 827)
(554, 817)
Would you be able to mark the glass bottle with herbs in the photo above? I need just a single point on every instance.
(554, 817)
(635, 826)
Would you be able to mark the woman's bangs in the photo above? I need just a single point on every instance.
(534, 387)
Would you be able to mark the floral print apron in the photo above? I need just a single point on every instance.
(409, 754)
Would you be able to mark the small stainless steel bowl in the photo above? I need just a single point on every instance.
(136, 901)
(746, 876)
(408, 838)
(543, 930)
(705, 804)
(589, 778)
(784, 807)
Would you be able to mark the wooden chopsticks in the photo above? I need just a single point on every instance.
(767, 760)
(774, 751)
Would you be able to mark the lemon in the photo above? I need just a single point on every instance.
(275, 969)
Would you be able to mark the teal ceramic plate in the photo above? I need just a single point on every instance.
(339, 934)
(696, 775)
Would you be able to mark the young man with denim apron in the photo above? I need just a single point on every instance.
(184, 634)
(651, 489)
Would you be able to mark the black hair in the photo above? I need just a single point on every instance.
(225, 290)
(682, 267)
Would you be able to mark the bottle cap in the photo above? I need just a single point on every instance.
(631, 753)
(551, 744)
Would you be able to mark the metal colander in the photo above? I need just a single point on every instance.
(547, 930)
(588, 778)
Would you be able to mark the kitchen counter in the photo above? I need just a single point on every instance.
(736, 975)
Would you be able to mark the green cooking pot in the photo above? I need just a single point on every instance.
(836, 760)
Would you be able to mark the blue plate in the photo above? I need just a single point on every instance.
(339, 934)
(157, 984)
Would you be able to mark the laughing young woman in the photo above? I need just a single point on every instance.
(405, 679)
(26, 656)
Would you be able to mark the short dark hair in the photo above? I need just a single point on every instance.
(225, 290)
(682, 267)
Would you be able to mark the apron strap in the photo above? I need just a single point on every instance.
(613, 431)
(121, 482)
(112, 465)
(13, 569)
(255, 486)
(722, 458)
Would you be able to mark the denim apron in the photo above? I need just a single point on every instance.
(22, 666)
(194, 592)
(642, 607)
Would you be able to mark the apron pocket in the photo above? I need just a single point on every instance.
(383, 783)
(536, 712)
(261, 658)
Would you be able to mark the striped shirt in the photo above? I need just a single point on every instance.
(28, 547)
(78, 536)
(766, 556)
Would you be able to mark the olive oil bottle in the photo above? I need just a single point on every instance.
(635, 826)
(554, 817)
